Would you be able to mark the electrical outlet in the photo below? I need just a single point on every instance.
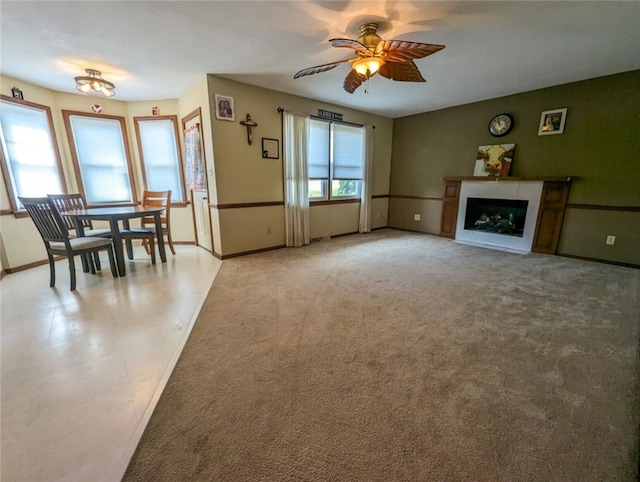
(416, 217)
(269, 230)
(611, 240)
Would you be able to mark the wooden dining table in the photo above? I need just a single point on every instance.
(115, 215)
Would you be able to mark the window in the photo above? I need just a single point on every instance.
(335, 160)
(30, 158)
(100, 154)
(160, 155)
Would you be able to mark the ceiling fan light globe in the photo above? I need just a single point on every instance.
(368, 66)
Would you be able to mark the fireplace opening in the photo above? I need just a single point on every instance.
(499, 216)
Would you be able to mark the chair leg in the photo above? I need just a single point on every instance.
(145, 243)
(129, 246)
(112, 262)
(170, 241)
(96, 259)
(52, 272)
(92, 266)
(72, 273)
(86, 263)
(152, 250)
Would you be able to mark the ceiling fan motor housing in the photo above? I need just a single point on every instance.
(369, 35)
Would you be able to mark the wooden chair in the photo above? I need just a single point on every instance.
(147, 230)
(55, 235)
(68, 202)
(159, 198)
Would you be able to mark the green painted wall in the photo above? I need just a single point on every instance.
(599, 149)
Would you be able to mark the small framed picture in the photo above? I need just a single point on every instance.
(270, 148)
(17, 93)
(552, 122)
(225, 109)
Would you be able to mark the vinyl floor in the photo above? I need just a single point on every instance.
(81, 371)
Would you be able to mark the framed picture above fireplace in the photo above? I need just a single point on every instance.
(494, 160)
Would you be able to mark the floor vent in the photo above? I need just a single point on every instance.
(321, 238)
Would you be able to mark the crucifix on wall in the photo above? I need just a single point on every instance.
(248, 123)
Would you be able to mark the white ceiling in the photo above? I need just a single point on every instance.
(157, 50)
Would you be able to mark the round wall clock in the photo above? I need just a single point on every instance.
(501, 125)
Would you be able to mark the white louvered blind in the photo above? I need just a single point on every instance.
(318, 148)
(28, 151)
(348, 151)
(102, 159)
(160, 156)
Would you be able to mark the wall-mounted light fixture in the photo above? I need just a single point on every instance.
(94, 84)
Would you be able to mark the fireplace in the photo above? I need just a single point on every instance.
(518, 200)
(500, 216)
(536, 214)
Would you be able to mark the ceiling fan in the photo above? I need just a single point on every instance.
(392, 59)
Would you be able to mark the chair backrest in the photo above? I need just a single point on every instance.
(68, 202)
(158, 198)
(47, 219)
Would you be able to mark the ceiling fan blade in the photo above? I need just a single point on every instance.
(352, 81)
(401, 71)
(401, 50)
(319, 68)
(351, 44)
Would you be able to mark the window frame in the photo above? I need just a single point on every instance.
(4, 162)
(179, 159)
(66, 114)
(327, 183)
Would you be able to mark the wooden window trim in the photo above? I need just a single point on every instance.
(66, 114)
(174, 120)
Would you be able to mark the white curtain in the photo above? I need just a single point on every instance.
(296, 183)
(365, 193)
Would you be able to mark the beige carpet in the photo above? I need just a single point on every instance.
(395, 356)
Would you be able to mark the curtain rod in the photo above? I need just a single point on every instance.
(281, 110)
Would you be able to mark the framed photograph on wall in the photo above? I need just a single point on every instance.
(225, 110)
(270, 148)
(552, 122)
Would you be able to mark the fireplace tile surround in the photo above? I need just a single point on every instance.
(546, 198)
(530, 191)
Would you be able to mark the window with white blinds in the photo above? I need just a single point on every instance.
(100, 151)
(30, 154)
(318, 146)
(348, 152)
(160, 154)
(335, 160)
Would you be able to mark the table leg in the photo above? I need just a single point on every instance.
(160, 236)
(117, 246)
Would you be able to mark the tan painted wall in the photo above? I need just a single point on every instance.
(599, 149)
(237, 173)
(244, 177)
(198, 97)
(22, 243)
